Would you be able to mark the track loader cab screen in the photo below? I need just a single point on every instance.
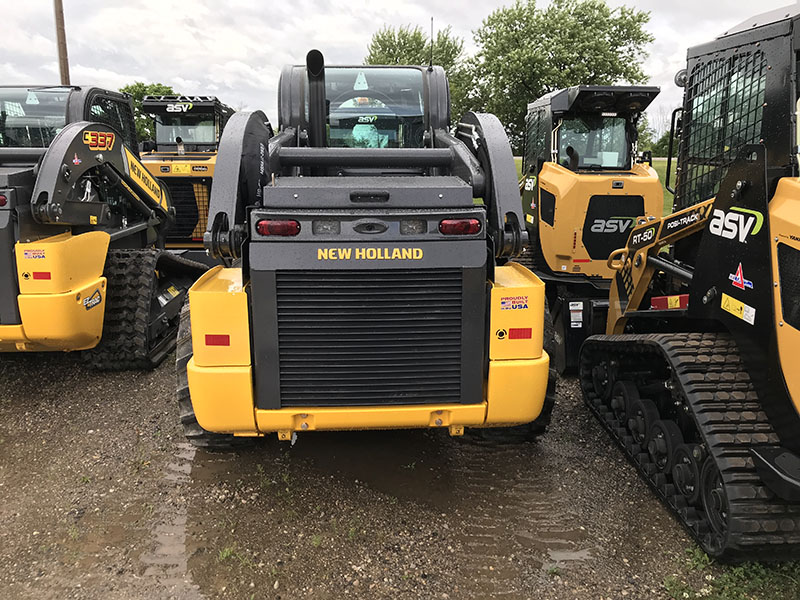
(31, 117)
(192, 129)
(593, 142)
(371, 108)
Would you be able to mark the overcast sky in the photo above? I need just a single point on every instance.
(234, 49)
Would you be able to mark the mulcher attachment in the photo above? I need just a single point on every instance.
(685, 412)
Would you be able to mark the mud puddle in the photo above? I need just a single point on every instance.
(489, 515)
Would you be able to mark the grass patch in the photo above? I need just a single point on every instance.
(660, 166)
(701, 577)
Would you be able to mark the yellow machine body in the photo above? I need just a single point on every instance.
(172, 168)
(784, 209)
(62, 293)
(221, 376)
(564, 242)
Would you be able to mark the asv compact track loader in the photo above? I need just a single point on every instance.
(582, 192)
(81, 227)
(188, 130)
(697, 377)
(369, 285)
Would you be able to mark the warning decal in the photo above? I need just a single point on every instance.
(738, 309)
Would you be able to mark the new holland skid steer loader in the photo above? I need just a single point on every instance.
(369, 284)
(697, 376)
(81, 227)
(188, 130)
(582, 191)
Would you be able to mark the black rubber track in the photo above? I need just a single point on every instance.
(131, 285)
(198, 436)
(707, 375)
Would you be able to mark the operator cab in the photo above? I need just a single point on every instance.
(187, 123)
(369, 107)
(32, 116)
(583, 187)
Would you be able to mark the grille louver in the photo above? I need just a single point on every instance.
(369, 337)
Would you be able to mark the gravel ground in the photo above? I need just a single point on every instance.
(100, 497)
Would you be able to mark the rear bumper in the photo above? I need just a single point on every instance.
(68, 321)
(62, 294)
(222, 398)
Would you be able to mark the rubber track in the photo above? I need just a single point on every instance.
(730, 420)
(194, 433)
(124, 344)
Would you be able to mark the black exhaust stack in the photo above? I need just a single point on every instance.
(317, 110)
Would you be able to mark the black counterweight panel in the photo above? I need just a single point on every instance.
(370, 337)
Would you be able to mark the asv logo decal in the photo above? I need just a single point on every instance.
(530, 183)
(613, 225)
(736, 224)
(179, 107)
(367, 119)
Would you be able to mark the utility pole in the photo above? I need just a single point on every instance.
(61, 40)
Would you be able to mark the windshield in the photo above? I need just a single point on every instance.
(192, 129)
(593, 142)
(31, 117)
(375, 108)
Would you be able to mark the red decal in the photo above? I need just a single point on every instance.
(520, 333)
(41, 274)
(218, 339)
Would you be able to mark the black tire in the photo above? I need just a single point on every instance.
(131, 289)
(528, 432)
(194, 433)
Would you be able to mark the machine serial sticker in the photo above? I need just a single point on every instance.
(738, 281)
(576, 315)
(739, 309)
(513, 302)
(93, 300)
(33, 254)
(369, 253)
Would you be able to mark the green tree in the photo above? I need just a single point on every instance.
(407, 45)
(661, 146)
(645, 134)
(138, 90)
(525, 52)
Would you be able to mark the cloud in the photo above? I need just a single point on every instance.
(235, 49)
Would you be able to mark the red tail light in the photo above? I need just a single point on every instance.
(3, 200)
(41, 274)
(284, 228)
(218, 339)
(459, 226)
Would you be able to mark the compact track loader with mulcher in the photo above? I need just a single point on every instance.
(370, 284)
(697, 376)
(583, 189)
(82, 227)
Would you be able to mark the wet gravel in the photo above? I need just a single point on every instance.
(100, 497)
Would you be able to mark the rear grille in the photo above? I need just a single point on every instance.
(190, 199)
(369, 337)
